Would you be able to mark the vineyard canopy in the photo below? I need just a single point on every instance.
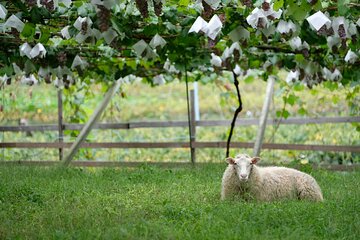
(104, 40)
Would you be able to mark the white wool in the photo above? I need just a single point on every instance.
(270, 184)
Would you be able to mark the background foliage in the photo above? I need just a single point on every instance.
(75, 44)
(168, 103)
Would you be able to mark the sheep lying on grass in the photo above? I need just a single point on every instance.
(244, 179)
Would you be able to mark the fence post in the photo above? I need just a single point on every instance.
(192, 126)
(263, 117)
(60, 122)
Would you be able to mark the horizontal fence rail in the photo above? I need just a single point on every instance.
(275, 146)
(195, 144)
(157, 124)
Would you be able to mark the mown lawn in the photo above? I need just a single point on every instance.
(153, 203)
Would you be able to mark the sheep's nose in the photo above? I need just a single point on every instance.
(243, 175)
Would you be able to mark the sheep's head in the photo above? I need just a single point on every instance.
(243, 164)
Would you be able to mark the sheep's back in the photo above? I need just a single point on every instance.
(279, 183)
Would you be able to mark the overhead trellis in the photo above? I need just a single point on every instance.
(103, 40)
(64, 42)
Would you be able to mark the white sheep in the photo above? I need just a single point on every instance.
(244, 179)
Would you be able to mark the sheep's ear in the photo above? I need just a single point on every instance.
(230, 160)
(254, 160)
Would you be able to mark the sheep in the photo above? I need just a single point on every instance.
(244, 179)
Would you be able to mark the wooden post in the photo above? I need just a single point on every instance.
(192, 126)
(263, 117)
(60, 122)
(90, 124)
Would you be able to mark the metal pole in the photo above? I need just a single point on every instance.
(192, 126)
(196, 101)
(60, 122)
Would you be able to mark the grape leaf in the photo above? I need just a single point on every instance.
(331, 85)
(284, 113)
(302, 111)
(28, 31)
(343, 7)
(291, 99)
(45, 35)
(184, 2)
(298, 12)
(278, 4)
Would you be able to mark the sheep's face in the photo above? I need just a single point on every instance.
(243, 164)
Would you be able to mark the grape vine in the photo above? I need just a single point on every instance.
(99, 41)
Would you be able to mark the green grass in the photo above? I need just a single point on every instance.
(154, 203)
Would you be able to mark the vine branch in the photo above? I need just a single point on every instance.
(188, 109)
(236, 113)
(278, 49)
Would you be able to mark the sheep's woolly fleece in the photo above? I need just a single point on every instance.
(266, 183)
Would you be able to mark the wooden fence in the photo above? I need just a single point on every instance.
(192, 124)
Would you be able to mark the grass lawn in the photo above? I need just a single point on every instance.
(155, 203)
